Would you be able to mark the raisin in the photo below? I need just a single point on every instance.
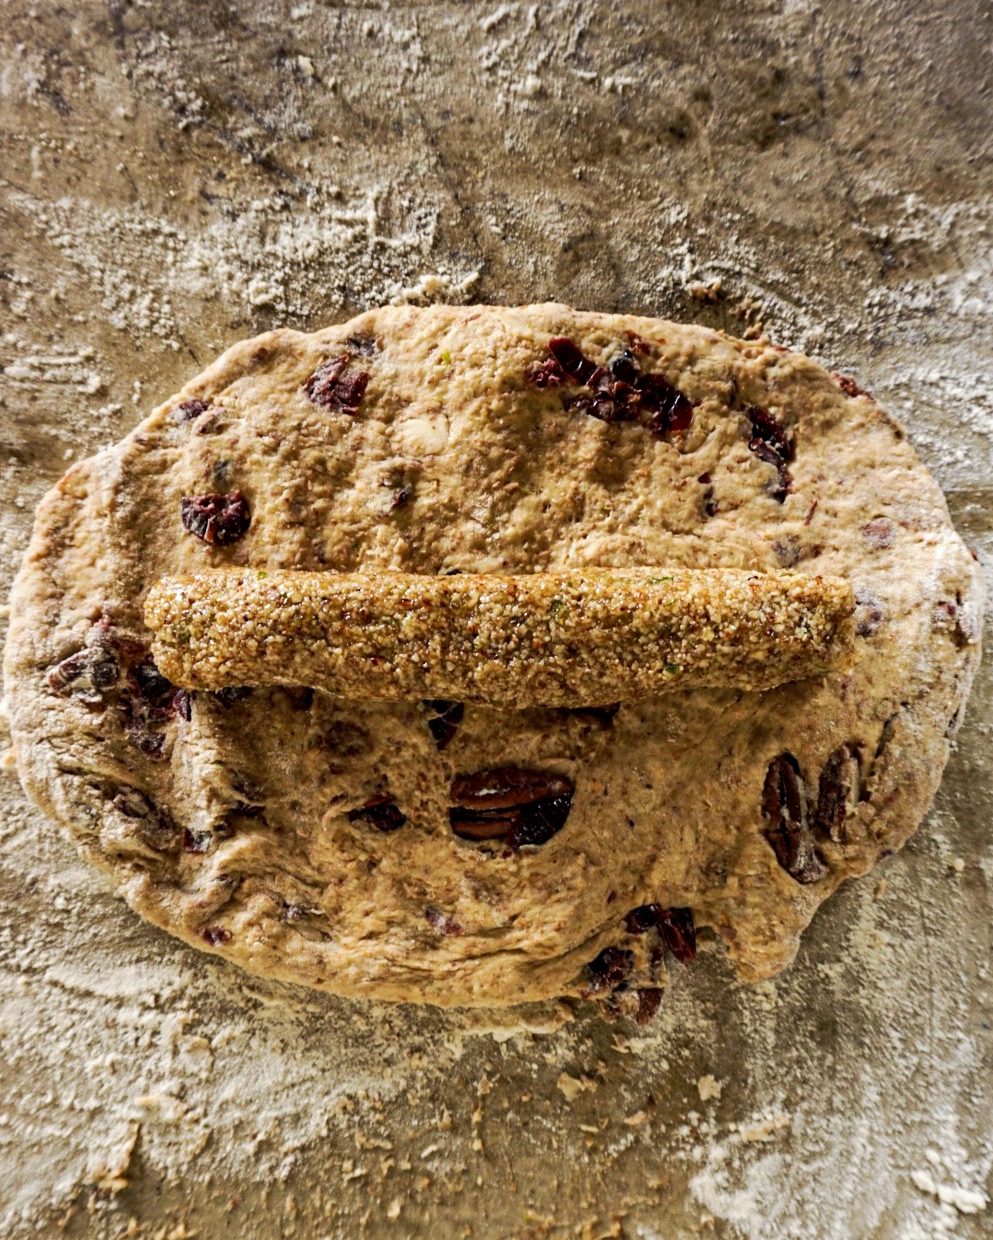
(444, 721)
(608, 970)
(444, 925)
(523, 807)
(189, 409)
(197, 841)
(219, 519)
(333, 387)
(216, 936)
(772, 443)
(380, 812)
(401, 497)
(649, 1002)
(679, 933)
(784, 807)
(838, 790)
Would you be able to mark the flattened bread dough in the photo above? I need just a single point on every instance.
(245, 828)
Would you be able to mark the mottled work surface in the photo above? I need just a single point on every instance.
(178, 176)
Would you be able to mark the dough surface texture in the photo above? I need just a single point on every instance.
(461, 854)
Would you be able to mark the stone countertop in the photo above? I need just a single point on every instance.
(178, 176)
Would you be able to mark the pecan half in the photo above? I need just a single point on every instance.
(838, 792)
(784, 807)
(520, 806)
(380, 812)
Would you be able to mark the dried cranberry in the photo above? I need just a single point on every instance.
(189, 409)
(333, 387)
(380, 812)
(182, 704)
(444, 721)
(609, 969)
(215, 935)
(678, 932)
(645, 917)
(848, 385)
(523, 807)
(545, 374)
(772, 443)
(443, 924)
(784, 807)
(649, 1002)
(216, 518)
(619, 392)
(571, 360)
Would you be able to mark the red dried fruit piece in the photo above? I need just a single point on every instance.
(679, 933)
(608, 970)
(444, 721)
(443, 924)
(784, 807)
(848, 385)
(334, 387)
(571, 360)
(380, 812)
(619, 392)
(649, 1002)
(520, 806)
(215, 935)
(645, 917)
(189, 409)
(838, 792)
(545, 374)
(216, 518)
(773, 444)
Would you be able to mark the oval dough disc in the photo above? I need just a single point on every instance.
(347, 845)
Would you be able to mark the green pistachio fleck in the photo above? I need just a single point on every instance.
(672, 668)
(446, 357)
